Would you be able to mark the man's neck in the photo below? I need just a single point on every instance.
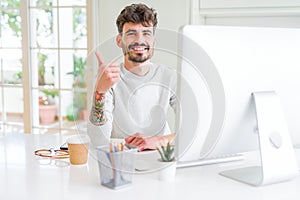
(139, 69)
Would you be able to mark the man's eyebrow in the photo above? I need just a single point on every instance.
(147, 31)
(130, 30)
(134, 31)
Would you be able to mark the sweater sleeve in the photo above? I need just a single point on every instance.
(100, 135)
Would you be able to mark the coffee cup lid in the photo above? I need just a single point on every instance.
(79, 139)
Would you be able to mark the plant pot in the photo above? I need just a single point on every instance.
(47, 114)
(167, 171)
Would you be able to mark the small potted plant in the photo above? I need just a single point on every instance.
(168, 167)
(47, 107)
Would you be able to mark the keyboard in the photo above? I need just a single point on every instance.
(211, 160)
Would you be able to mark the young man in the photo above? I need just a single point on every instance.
(131, 99)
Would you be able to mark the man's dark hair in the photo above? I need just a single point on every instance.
(137, 14)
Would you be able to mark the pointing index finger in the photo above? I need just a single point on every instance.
(99, 58)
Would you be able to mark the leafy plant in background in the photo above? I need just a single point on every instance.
(11, 22)
(79, 68)
(18, 75)
(42, 28)
(79, 28)
(41, 68)
(49, 98)
(79, 97)
(13, 16)
(17, 78)
(51, 93)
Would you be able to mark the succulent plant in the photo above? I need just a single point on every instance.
(167, 153)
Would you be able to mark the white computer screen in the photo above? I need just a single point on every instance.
(219, 69)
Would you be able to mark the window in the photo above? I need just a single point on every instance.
(56, 53)
(11, 91)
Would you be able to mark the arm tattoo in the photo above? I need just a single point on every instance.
(97, 116)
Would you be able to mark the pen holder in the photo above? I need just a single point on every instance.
(116, 168)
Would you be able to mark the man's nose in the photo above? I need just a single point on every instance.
(140, 38)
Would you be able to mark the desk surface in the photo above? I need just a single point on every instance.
(25, 176)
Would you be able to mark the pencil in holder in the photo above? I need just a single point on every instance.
(116, 168)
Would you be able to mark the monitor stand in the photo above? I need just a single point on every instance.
(278, 162)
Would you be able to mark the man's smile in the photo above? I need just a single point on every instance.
(138, 48)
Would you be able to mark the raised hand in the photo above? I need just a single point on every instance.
(108, 74)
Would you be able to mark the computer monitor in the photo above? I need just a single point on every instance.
(219, 68)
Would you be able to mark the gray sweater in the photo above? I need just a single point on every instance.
(137, 104)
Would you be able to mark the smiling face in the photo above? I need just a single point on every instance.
(137, 42)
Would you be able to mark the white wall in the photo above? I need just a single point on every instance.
(171, 14)
(260, 13)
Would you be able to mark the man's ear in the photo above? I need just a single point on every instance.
(119, 40)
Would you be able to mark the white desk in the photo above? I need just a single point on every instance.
(24, 176)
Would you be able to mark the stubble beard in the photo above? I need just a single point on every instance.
(137, 57)
(140, 57)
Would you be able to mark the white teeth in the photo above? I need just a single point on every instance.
(140, 48)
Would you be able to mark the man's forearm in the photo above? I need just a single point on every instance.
(97, 116)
